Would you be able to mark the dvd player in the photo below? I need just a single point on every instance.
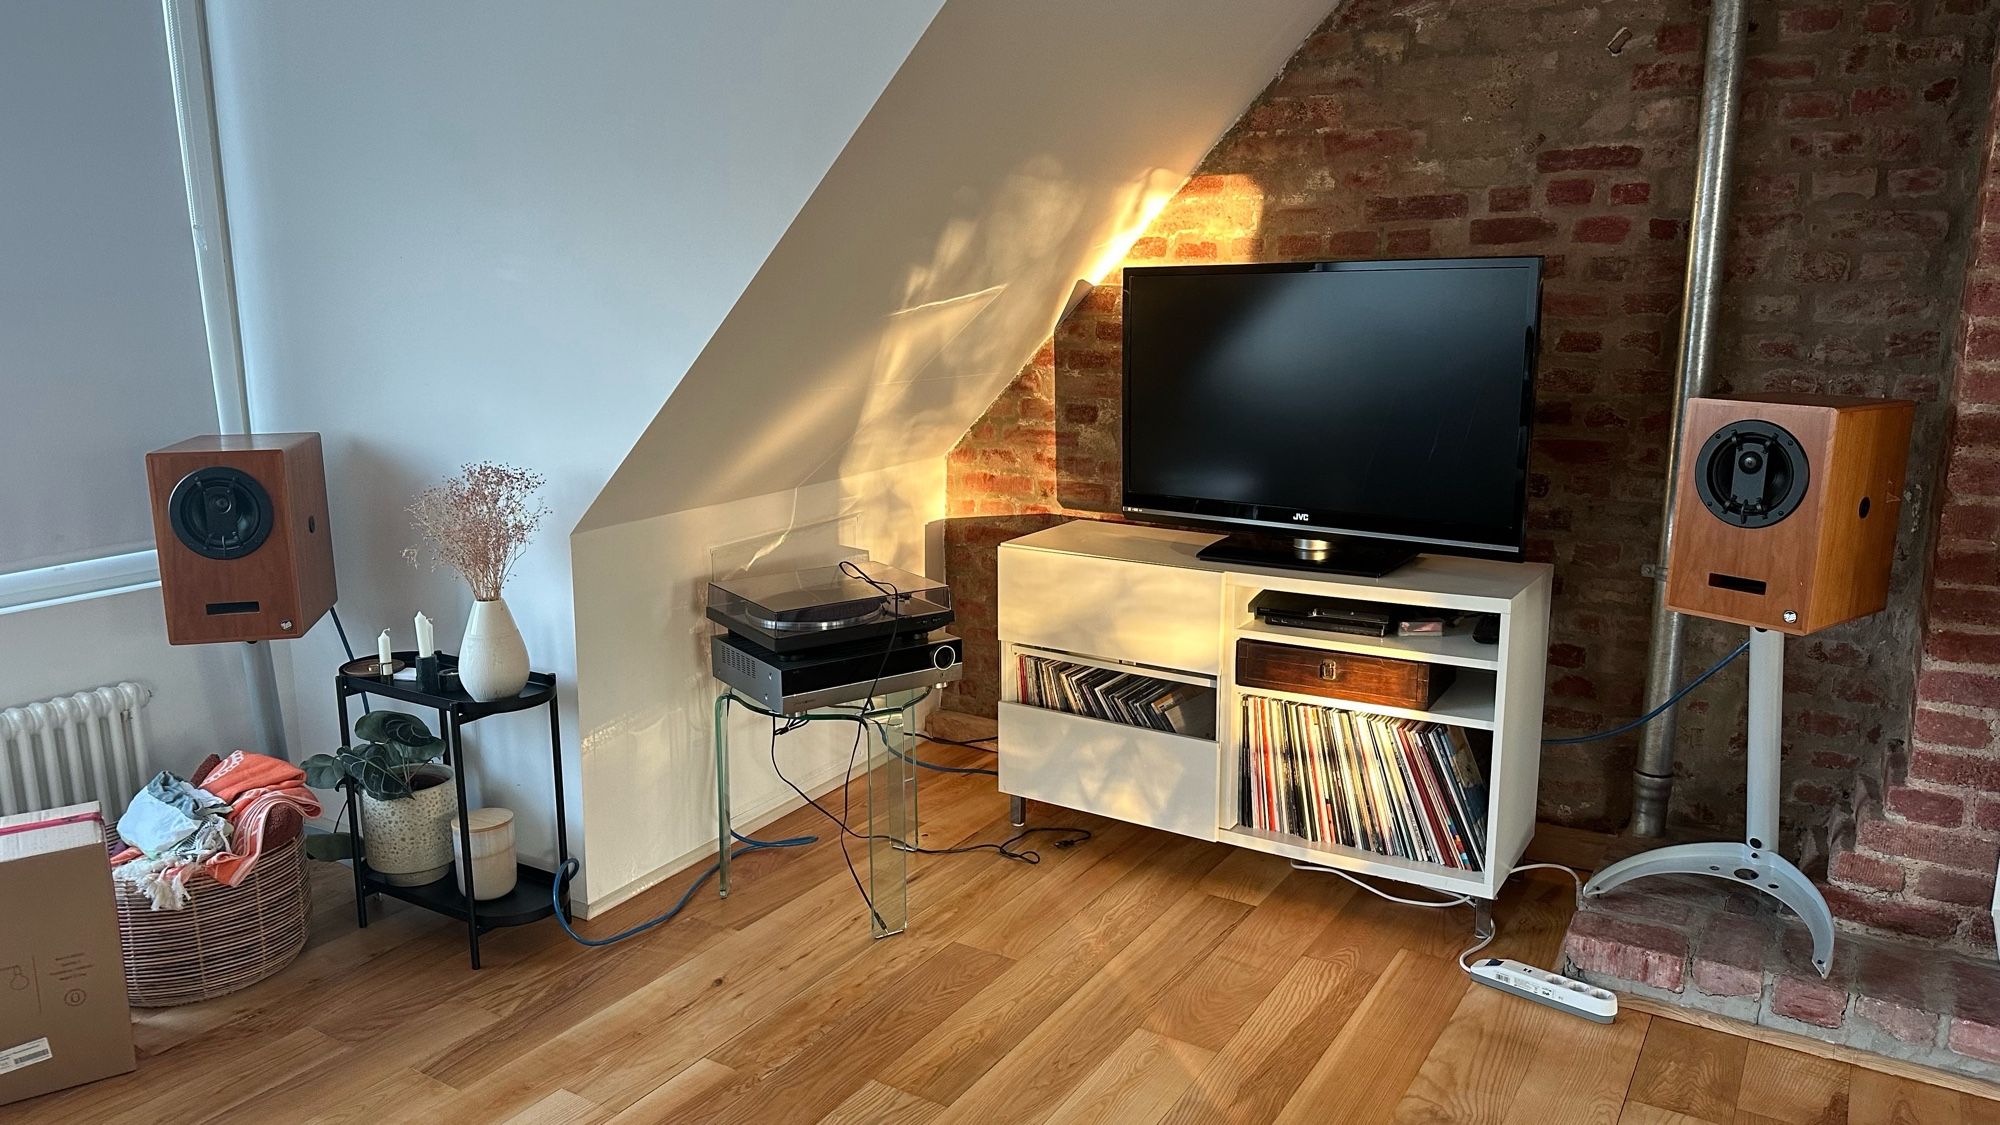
(788, 684)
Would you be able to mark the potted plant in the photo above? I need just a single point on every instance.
(479, 523)
(404, 793)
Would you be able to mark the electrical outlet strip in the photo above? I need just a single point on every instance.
(1543, 987)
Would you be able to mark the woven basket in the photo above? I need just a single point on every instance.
(226, 939)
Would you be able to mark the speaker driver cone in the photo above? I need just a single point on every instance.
(1751, 473)
(220, 513)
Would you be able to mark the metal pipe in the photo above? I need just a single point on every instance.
(1653, 778)
(215, 277)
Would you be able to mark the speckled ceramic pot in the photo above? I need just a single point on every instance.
(409, 839)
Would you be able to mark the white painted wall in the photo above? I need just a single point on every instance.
(474, 230)
(642, 660)
(1021, 147)
(199, 703)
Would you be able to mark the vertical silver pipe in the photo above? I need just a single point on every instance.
(1653, 778)
(186, 24)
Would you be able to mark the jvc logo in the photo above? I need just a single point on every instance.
(1302, 517)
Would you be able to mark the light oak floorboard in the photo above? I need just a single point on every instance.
(1140, 977)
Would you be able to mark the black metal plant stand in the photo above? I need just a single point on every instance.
(531, 899)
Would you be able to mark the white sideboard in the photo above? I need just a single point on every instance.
(1138, 599)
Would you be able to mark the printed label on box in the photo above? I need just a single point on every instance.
(27, 1054)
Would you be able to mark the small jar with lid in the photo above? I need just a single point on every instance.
(493, 865)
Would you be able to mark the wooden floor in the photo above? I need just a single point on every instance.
(1140, 977)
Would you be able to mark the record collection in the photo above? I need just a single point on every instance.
(1396, 787)
(1119, 697)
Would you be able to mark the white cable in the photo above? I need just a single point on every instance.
(1570, 871)
(1461, 900)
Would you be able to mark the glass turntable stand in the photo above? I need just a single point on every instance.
(890, 829)
(531, 899)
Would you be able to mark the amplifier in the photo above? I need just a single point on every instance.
(793, 683)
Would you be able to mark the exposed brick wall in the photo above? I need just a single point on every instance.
(1441, 127)
(1923, 857)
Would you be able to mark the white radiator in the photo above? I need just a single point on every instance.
(81, 747)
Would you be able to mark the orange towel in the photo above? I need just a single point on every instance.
(256, 787)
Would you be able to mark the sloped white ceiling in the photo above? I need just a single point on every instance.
(1017, 151)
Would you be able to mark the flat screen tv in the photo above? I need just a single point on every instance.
(1335, 415)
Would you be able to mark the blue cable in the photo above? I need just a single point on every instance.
(570, 867)
(1656, 712)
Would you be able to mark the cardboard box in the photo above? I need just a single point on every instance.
(63, 1014)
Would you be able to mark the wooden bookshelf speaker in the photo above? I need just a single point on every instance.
(1787, 509)
(240, 523)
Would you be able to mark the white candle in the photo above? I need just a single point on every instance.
(425, 647)
(382, 649)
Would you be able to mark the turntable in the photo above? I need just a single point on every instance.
(826, 606)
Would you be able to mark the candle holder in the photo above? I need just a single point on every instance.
(429, 676)
(373, 667)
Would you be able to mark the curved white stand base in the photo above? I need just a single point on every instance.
(1751, 863)
(1741, 864)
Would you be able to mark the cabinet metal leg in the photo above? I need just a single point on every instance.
(1017, 811)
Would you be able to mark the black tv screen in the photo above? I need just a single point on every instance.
(1384, 399)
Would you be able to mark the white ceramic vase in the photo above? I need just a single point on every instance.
(408, 839)
(492, 659)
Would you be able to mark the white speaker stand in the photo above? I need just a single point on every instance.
(1752, 863)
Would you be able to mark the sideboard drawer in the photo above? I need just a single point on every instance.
(1164, 616)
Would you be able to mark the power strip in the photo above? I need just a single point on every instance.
(1544, 987)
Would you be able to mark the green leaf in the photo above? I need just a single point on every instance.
(393, 726)
(324, 771)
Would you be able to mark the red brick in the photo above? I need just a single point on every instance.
(1816, 106)
(1957, 887)
(1898, 915)
(1409, 242)
(1632, 194)
(1951, 729)
(1967, 770)
(1878, 100)
(1569, 191)
(1353, 243)
(1867, 872)
(1809, 1000)
(1408, 208)
(1886, 17)
(1924, 806)
(1909, 1024)
(1589, 158)
(1729, 956)
(1934, 845)
(1974, 1040)
(1502, 199)
(1631, 951)
(1502, 232)
(1608, 229)
(1977, 689)
(1961, 646)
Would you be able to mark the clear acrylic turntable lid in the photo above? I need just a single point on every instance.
(826, 596)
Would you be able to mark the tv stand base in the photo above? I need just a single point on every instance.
(1350, 554)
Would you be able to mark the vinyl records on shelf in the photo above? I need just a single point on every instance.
(1117, 696)
(1397, 787)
